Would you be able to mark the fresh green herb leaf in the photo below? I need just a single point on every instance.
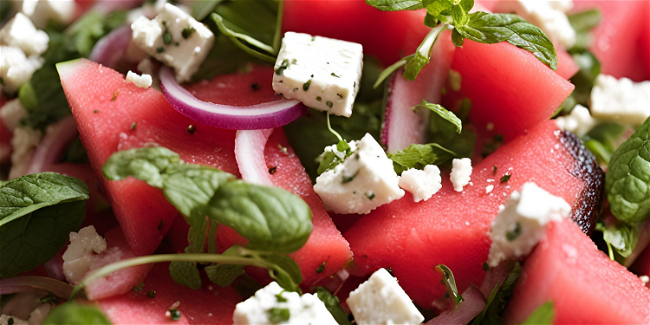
(187, 32)
(395, 5)
(321, 268)
(449, 282)
(583, 22)
(246, 43)
(628, 178)
(280, 298)
(444, 133)
(202, 9)
(422, 54)
(145, 164)
(285, 271)
(494, 28)
(284, 65)
(437, 8)
(505, 178)
(44, 99)
(185, 273)
(73, 313)
(37, 213)
(419, 155)
(279, 315)
(305, 86)
(457, 38)
(603, 140)
(585, 78)
(224, 275)
(442, 112)
(333, 305)
(620, 238)
(541, 316)
(391, 69)
(498, 299)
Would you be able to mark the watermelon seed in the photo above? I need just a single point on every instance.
(272, 170)
(191, 129)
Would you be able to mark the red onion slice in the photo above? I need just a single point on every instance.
(403, 126)
(249, 153)
(109, 49)
(472, 305)
(57, 137)
(261, 116)
(23, 283)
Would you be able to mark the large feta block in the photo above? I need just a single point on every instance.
(20, 32)
(362, 182)
(461, 173)
(381, 300)
(174, 38)
(274, 305)
(579, 121)
(620, 100)
(520, 224)
(42, 11)
(16, 68)
(548, 15)
(423, 184)
(321, 72)
(79, 255)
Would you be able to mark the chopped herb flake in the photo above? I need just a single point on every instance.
(348, 179)
(318, 98)
(167, 38)
(2, 82)
(187, 32)
(283, 66)
(255, 86)
(514, 233)
(139, 288)
(133, 126)
(334, 74)
(10, 321)
(95, 111)
(272, 170)
(174, 314)
(505, 178)
(191, 129)
(321, 268)
(279, 315)
(494, 170)
(294, 61)
(305, 86)
(280, 298)
(283, 149)
(160, 50)
(329, 104)
(369, 195)
(151, 294)
(114, 97)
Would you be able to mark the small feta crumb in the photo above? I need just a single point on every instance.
(141, 81)
(24, 141)
(461, 173)
(381, 300)
(455, 80)
(81, 252)
(579, 121)
(489, 189)
(620, 100)
(423, 184)
(21, 33)
(173, 38)
(321, 72)
(12, 113)
(361, 183)
(42, 11)
(16, 68)
(520, 224)
(644, 278)
(271, 302)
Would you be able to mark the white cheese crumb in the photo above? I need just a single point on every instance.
(644, 278)
(423, 184)
(16, 68)
(42, 11)
(620, 100)
(381, 300)
(81, 252)
(11, 113)
(21, 33)
(141, 81)
(24, 141)
(579, 121)
(520, 224)
(488, 189)
(461, 173)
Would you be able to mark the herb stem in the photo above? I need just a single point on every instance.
(277, 37)
(329, 126)
(426, 46)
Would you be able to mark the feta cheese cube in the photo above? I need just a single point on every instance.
(548, 15)
(24, 141)
(620, 100)
(81, 252)
(423, 184)
(16, 68)
(264, 306)
(321, 72)
(361, 183)
(520, 224)
(579, 121)
(11, 113)
(20, 32)
(461, 173)
(141, 81)
(42, 11)
(174, 38)
(381, 300)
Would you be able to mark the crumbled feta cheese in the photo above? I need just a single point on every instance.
(548, 15)
(81, 252)
(455, 80)
(270, 302)
(37, 316)
(381, 300)
(620, 100)
(11, 113)
(519, 226)
(363, 182)
(579, 121)
(42, 11)
(20, 32)
(644, 278)
(423, 184)
(461, 173)
(174, 38)
(141, 81)
(24, 140)
(321, 72)
(16, 68)
(489, 189)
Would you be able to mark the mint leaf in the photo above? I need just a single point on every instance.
(73, 313)
(494, 28)
(224, 275)
(422, 54)
(444, 113)
(585, 78)
(445, 134)
(628, 178)
(333, 305)
(603, 140)
(202, 9)
(419, 155)
(583, 22)
(437, 8)
(37, 213)
(395, 5)
(245, 42)
(449, 282)
(185, 273)
(542, 315)
(146, 164)
(621, 238)
(286, 273)
(43, 98)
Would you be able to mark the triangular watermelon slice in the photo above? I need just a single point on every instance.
(452, 228)
(585, 286)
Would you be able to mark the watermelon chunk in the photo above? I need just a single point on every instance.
(515, 96)
(452, 228)
(209, 305)
(143, 212)
(586, 287)
(566, 66)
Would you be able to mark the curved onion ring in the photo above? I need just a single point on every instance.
(57, 137)
(249, 153)
(261, 116)
(23, 283)
(110, 48)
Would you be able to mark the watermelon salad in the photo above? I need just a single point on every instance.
(324, 162)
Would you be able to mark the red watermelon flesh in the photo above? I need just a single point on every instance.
(209, 305)
(621, 39)
(508, 87)
(452, 228)
(566, 66)
(586, 287)
(642, 265)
